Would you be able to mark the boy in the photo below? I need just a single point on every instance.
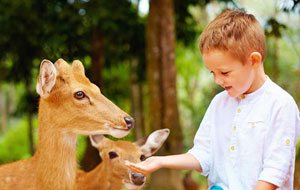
(248, 135)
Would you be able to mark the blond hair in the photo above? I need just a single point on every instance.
(236, 32)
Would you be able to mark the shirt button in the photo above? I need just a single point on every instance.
(241, 97)
(234, 128)
(239, 110)
(287, 142)
(232, 148)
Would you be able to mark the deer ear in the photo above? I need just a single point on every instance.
(96, 140)
(78, 67)
(141, 141)
(47, 78)
(155, 141)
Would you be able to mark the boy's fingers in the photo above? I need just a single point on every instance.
(135, 168)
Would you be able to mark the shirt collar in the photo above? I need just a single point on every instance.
(256, 93)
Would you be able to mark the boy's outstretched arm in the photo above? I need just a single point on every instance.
(180, 161)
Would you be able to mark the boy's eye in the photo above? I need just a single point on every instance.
(225, 73)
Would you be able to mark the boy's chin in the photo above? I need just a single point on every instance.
(236, 95)
(233, 95)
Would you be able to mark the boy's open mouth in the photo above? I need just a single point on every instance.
(227, 88)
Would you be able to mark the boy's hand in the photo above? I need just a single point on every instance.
(146, 167)
(181, 161)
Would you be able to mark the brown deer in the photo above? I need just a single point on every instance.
(112, 173)
(69, 105)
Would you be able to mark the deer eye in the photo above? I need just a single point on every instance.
(79, 95)
(143, 157)
(112, 155)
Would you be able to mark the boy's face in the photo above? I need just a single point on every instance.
(230, 73)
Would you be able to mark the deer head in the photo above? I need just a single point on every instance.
(115, 153)
(78, 105)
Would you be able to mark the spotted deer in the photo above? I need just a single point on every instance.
(112, 173)
(69, 105)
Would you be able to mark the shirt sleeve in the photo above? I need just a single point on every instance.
(201, 149)
(280, 144)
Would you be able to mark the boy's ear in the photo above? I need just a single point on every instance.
(255, 59)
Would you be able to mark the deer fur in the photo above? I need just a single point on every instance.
(69, 105)
(112, 173)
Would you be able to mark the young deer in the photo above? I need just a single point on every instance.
(69, 105)
(112, 173)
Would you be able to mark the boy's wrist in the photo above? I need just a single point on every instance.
(162, 161)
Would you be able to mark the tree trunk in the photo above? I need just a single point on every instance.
(137, 99)
(161, 73)
(30, 112)
(91, 156)
(97, 54)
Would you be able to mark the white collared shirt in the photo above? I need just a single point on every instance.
(241, 141)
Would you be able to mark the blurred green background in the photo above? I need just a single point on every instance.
(113, 40)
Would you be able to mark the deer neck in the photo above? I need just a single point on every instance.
(98, 178)
(114, 179)
(56, 155)
(102, 177)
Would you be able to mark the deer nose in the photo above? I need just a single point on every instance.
(137, 178)
(129, 122)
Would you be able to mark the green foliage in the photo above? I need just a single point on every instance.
(14, 144)
(185, 23)
(195, 90)
(123, 30)
(32, 30)
(80, 148)
(130, 137)
(287, 62)
(274, 28)
(117, 85)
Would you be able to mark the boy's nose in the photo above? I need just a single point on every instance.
(219, 81)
